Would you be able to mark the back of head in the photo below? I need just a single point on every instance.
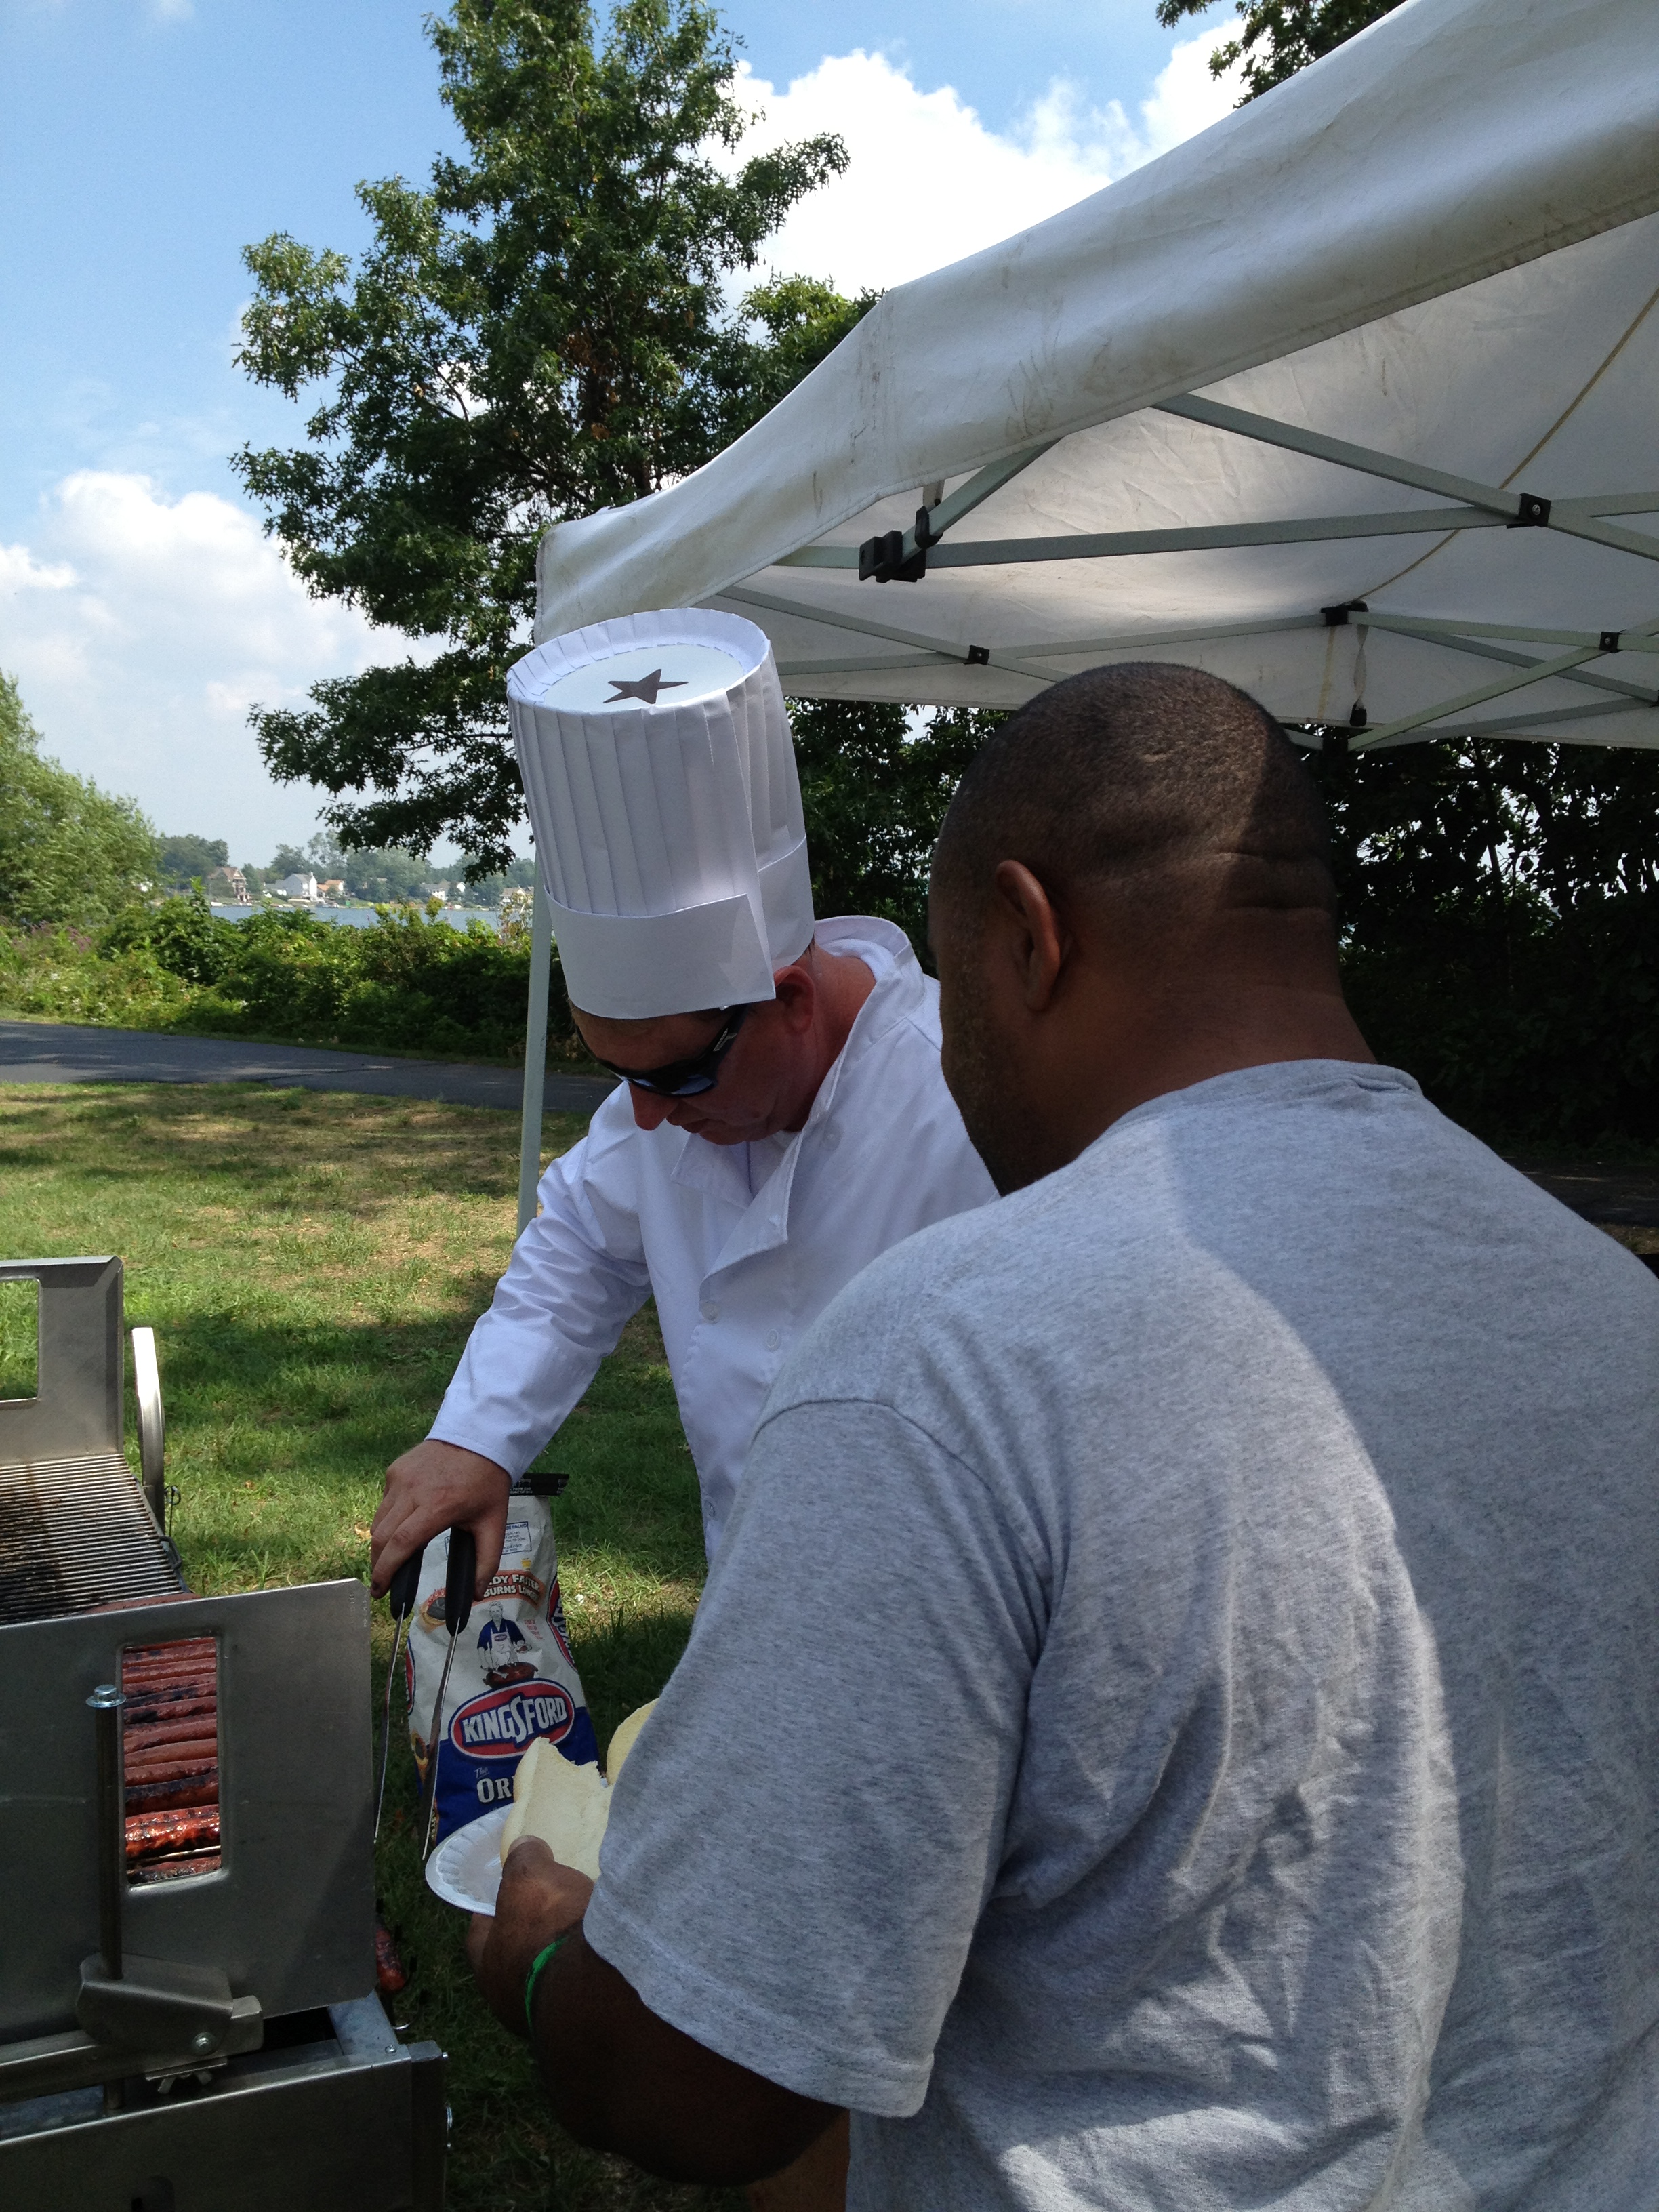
(1170, 790)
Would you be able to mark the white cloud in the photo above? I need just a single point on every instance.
(140, 629)
(928, 183)
(1186, 98)
(20, 572)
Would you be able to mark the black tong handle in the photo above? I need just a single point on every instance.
(405, 1588)
(457, 1583)
(457, 1606)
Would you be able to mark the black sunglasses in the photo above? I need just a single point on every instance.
(686, 1078)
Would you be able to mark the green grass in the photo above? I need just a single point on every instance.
(19, 1339)
(311, 1263)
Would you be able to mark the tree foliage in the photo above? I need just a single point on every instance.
(1500, 911)
(1277, 37)
(384, 872)
(68, 852)
(1500, 837)
(488, 888)
(181, 860)
(543, 331)
(875, 784)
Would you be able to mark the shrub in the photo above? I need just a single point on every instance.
(181, 934)
(60, 973)
(410, 983)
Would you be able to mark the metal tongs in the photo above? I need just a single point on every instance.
(457, 1608)
(405, 1588)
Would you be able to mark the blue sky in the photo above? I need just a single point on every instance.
(144, 143)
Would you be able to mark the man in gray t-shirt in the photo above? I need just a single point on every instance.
(1173, 1723)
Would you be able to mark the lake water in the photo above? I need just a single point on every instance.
(364, 917)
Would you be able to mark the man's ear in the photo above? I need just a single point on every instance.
(1037, 937)
(797, 995)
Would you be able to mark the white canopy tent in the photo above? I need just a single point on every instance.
(1353, 399)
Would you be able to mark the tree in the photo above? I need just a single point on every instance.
(385, 874)
(544, 332)
(486, 889)
(181, 860)
(1500, 912)
(874, 785)
(801, 320)
(68, 852)
(1277, 37)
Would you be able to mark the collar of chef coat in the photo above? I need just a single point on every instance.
(717, 1171)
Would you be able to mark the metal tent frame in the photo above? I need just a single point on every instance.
(1479, 507)
(1266, 399)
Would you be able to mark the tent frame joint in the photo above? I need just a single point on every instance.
(900, 556)
(896, 556)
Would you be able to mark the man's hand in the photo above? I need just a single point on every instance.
(621, 2078)
(539, 1900)
(434, 1487)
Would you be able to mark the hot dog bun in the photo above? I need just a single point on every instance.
(566, 1806)
(623, 1742)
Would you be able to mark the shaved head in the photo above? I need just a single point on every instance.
(1132, 892)
(1177, 791)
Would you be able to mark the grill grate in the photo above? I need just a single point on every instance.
(75, 1534)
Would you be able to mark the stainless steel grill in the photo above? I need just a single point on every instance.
(187, 2019)
(75, 1534)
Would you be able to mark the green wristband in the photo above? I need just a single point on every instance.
(535, 1975)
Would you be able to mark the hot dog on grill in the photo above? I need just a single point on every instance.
(171, 1832)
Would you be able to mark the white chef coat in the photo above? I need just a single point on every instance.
(743, 1245)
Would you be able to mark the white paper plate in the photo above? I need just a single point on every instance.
(466, 1869)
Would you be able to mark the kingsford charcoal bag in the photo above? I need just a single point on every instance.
(512, 1678)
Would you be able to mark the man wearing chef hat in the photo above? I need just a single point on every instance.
(783, 1120)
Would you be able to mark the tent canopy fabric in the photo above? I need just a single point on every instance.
(1388, 336)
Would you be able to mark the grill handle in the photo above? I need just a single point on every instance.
(152, 1426)
(106, 1702)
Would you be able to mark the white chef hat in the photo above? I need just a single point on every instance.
(661, 785)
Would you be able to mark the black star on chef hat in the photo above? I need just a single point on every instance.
(641, 687)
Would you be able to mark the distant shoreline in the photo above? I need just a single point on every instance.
(361, 917)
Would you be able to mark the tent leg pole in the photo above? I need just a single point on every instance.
(535, 1054)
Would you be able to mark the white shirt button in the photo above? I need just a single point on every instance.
(832, 1135)
(773, 1340)
(710, 1310)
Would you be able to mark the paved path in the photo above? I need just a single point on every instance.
(71, 1052)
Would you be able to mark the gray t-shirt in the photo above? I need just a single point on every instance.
(1173, 1724)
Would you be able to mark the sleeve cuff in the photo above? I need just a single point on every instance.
(445, 1432)
(729, 2021)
